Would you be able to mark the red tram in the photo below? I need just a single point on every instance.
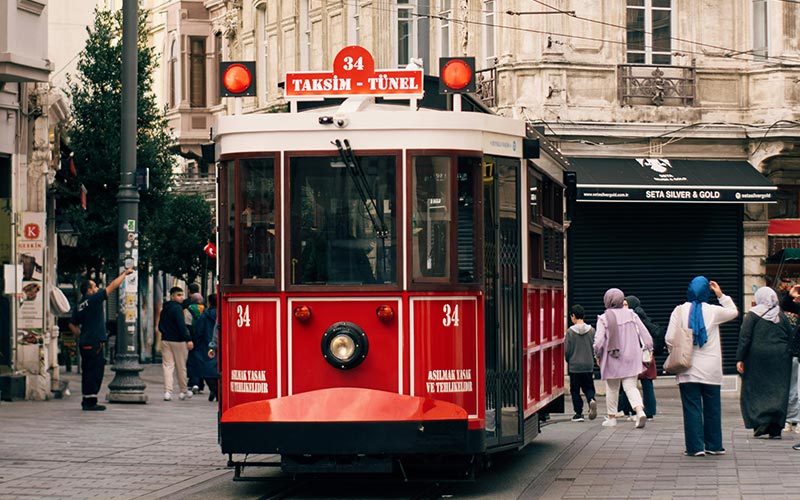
(391, 284)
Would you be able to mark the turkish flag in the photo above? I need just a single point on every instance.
(211, 250)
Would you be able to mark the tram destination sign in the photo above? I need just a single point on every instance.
(354, 74)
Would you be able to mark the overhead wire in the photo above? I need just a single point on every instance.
(725, 50)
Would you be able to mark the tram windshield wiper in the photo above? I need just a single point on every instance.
(359, 178)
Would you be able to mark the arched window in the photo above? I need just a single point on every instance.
(174, 95)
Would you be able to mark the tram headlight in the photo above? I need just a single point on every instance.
(344, 345)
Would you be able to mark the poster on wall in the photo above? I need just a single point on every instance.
(30, 255)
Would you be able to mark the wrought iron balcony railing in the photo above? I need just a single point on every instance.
(646, 84)
(486, 83)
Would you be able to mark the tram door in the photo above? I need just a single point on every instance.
(502, 300)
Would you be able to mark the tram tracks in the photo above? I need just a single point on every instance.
(318, 488)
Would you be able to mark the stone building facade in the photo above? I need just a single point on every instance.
(681, 79)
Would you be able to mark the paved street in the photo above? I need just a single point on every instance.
(164, 449)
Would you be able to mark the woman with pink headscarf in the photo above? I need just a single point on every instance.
(618, 346)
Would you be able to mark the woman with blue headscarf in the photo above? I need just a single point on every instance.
(765, 363)
(700, 384)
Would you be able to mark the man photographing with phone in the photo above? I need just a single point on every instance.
(88, 323)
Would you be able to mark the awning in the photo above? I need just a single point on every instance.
(673, 181)
(784, 227)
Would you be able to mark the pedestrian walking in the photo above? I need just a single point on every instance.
(699, 385)
(191, 315)
(175, 344)
(646, 377)
(790, 305)
(88, 324)
(203, 358)
(765, 364)
(618, 347)
(578, 351)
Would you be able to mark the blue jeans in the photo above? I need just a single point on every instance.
(702, 417)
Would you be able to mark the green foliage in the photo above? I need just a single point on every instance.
(96, 92)
(179, 233)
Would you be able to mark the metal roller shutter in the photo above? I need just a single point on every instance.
(653, 251)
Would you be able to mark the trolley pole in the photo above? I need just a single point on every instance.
(127, 386)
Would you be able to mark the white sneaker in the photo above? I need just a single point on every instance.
(641, 419)
(788, 427)
(167, 396)
(592, 409)
(189, 394)
(182, 396)
(195, 388)
(609, 422)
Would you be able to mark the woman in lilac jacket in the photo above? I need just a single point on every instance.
(618, 347)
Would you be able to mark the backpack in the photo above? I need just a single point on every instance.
(195, 310)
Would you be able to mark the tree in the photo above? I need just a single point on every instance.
(96, 93)
(180, 231)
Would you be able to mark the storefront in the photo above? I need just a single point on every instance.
(649, 226)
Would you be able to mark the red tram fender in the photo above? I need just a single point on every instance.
(345, 404)
(349, 420)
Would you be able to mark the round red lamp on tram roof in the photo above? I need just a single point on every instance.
(237, 78)
(456, 74)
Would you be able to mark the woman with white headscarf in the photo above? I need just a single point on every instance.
(765, 363)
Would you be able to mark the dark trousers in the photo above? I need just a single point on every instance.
(580, 382)
(93, 364)
(648, 398)
(702, 417)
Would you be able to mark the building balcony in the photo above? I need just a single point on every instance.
(645, 84)
(23, 41)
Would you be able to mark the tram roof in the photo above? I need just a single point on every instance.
(369, 125)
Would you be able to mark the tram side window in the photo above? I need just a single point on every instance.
(430, 220)
(256, 213)
(343, 220)
(467, 215)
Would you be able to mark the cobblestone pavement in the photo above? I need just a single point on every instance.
(53, 450)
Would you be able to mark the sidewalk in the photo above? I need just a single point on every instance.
(624, 463)
(52, 449)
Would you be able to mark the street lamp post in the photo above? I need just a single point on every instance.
(127, 386)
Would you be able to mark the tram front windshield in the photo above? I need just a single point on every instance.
(342, 220)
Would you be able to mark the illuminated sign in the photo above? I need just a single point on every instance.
(354, 74)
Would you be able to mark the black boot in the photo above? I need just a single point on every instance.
(90, 404)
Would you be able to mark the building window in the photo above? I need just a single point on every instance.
(649, 25)
(489, 56)
(262, 65)
(760, 29)
(405, 31)
(305, 36)
(197, 72)
(217, 61)
(352, 24)
(445, 11)
(173, 76)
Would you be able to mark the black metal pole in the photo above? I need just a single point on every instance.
(127, 386)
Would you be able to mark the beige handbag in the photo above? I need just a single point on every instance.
(680, 355)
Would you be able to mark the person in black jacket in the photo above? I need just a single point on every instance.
(175, 344)
(89, 325)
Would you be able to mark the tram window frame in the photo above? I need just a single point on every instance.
(457, 161)
(552, 229)
(395, 237)
(232, 194)
(535, 229)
